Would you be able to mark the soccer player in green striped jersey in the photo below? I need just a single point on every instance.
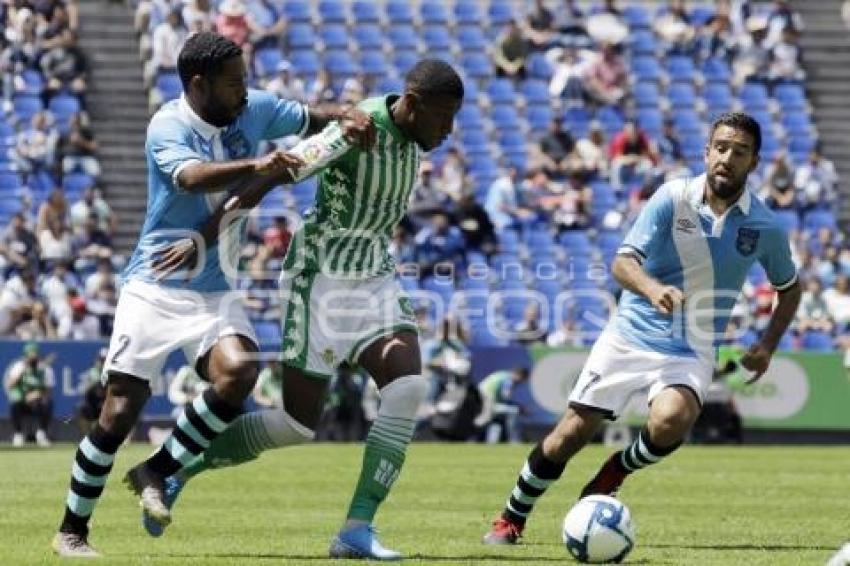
(341, 300)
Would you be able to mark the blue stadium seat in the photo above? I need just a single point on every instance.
(817, 219)
(368, 36)
(796, 123)
(169, 86)
(646, 94)
(501, 91)
(306, 63)
(399, 12)
(333, 11)
(77, 183)
(33, 82)
(790, 96)
(297, 11)
(334, 36)
(475, 139)
(301, 36)
(373, 63)
(10, 182)
(800, 145)
(466, 13)
(642, 42)
(753, 96)
(646, 68)
(403, 38)
(64, 106)
(538, 67)
(680, 68)
(268, 332)
(266, 61)
(650, 119)
(505, 117)
(535, 91)
(611, 117)
(788, 219)
(817, 341)
(433, 13)
(477, 65)
(436, 37)
(25, 106)
(482, 335)
(441, 286)
(365, 11)
(637, 17)
(539, 117)
(340, 64)
(390, 84)
(470, 116)
(718, 97)
(576, 118)
(716, 70)
(681, 95)
(472, 39)
(700, 15)
(687, 122)
(500, 12)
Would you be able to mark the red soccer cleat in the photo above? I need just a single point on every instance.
(607, 480)
(503, 532)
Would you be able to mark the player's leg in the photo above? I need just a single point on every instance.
(43, 412)
(231, 367)
(125, 397)
(542, 468)
(672, 413)
(394, 363)
(17, 411)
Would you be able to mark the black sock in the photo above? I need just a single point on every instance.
(536, 476)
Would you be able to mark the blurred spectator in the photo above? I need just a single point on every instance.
(103, 274)
(90, 205)
(401, 246)
(79, 325)
(321, 89)
(632, 155)
(266, 22)
(837, 301)
(92, 243)
(102, 305)
(16, 300)
(198, 16)
(452, 173)
(753, 56)
(439, 247)
(93, 393)
(568, 334)
(35, 146)
(816, 179)
(845, 13)
(446, 358)
(499, 416)
(813, 313)
(344, 419)
(610, 7)
(353, 91)
(669, 146)
(28, 384)
(573, 213)
(716, 38)
(786, 59)
(427, 196)
(54, 289)
(778, 188)
(591, 152)
(233, 22)
(18, 246)
(511, 52)
(606, 77)
(570, 23)
(269, 390)
(567, 82)
(55, 242)
(503, 204)
(556, 144)
(762, 306)
(65, 67)
(78, 148)
(39, 326)
(54, 208)
(475, 226)
(56, 31)
(674, 27)
(539, 26)
(277, 237)
(285, 85)
(782, 19)
(184, 387)
(167, 41)
(528, 330)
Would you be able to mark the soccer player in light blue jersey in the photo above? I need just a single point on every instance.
(197, 148)
(682, 267)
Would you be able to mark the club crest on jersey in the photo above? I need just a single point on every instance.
(747, 241)
(235, 144)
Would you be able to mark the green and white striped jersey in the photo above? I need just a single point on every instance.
(362, 196)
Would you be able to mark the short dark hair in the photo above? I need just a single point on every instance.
(739, 121)
(433, 78)
(203, 54)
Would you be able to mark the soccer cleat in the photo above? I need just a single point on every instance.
(842, 557)
(504, 531)
(151, 491)
(18, 440)
(41, 439)
(173, 487)
(607, 480)
(360, 542)
(73, 545)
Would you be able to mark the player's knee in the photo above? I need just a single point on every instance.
(670, 423)
(285, 430)
(405, 394)
(236, 377)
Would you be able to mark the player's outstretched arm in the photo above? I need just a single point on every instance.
(757, 358)
(214, 176)
(629, 273)
(356, 126)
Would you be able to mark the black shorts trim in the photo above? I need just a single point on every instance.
(608, 414)
(690, 390)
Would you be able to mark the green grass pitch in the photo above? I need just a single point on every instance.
(771, 506)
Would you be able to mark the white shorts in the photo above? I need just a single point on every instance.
(616, 369)
(152, 321)
(330, 320)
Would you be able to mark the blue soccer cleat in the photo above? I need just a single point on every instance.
(360, 542)
(173, 487)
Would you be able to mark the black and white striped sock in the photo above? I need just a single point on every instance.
(642, 453)
(536, 476)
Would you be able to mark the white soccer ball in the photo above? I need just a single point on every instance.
(599, 529)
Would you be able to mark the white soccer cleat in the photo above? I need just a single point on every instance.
(151, 491)
(41, 439)
(361, 543)
(18, 440)
(842, 557)
(72, 545)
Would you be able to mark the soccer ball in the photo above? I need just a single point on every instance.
(599, 529)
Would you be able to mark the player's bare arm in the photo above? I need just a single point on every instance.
(757, 358)
(629, 273)
(214, 176)
(357, 126)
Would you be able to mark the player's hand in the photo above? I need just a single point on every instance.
(276, 162)
(755, 360)
(666, 298)
(174, 256)
(358, 128)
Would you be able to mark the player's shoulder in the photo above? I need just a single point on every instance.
(257, 97)
(761, 216)
(167, 120)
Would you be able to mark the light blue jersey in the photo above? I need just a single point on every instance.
(680, 242)
(176, 138)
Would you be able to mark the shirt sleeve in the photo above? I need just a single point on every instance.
(776, 260)
(651, 228)
(170, 145)
(281, 117)
(320, 150)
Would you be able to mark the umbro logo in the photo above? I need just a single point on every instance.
(685, 225)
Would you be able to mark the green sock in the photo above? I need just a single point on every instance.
(386, 445)
(244, 440)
